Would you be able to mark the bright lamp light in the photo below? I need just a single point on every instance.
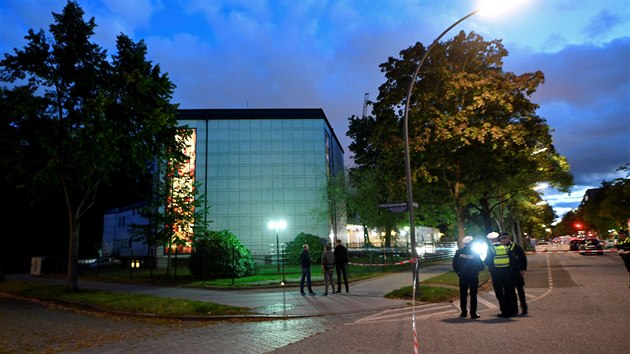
(495, 8)
(277, 225)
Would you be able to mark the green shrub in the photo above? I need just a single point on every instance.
(294, 248)
(219, 254)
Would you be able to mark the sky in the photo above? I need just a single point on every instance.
(326, 54)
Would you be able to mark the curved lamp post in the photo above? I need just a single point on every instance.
(277, 225)
(412, 229)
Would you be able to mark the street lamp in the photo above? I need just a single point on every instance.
(277, 225)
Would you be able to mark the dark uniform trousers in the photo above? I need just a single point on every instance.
(519, 283)
(504, 290)
(468, 281)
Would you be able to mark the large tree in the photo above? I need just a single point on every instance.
(473, 129)
(97, 119)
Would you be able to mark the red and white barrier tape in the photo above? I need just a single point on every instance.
(574, 251)
(416, 345)
(413, 260)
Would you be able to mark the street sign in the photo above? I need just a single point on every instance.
(396, 207)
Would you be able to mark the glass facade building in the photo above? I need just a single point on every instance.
(259, 165)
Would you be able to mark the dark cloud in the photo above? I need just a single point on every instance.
(603, 22)
(586, 101)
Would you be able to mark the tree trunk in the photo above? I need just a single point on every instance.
(486, 214)
(73, 256)
(461, 220)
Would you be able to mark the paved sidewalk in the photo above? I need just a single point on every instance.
(365, 295)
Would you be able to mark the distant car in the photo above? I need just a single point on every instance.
(591, 245)
(105, 262)
(609, 243)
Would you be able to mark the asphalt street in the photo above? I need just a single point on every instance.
(577, 305)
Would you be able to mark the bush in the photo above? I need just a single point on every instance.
(219, 254)
(294, 248)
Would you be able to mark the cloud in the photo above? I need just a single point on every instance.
(585, 99)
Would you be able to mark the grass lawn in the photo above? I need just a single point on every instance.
(444, 287)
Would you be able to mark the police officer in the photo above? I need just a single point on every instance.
(467, 264)
(623, 248)
(498, 262)
(518, 268)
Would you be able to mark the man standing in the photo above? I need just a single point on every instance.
(518, 268)
(467, 264)
(498, 262)
(305, 260)
(328, 264)
(341, 262)
(623, 248)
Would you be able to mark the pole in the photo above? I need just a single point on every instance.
(283, 265)
(412, 229)
(278, 250)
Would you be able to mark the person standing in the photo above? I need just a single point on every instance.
(467, 264)
(341, 262)
(305, 260)
(518, 268)
(328, 265)
(498, 262)
(623, 249)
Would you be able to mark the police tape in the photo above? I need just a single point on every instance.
(573, 251)
(413, 260)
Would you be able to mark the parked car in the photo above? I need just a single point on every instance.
(591, 245)
(105, 262)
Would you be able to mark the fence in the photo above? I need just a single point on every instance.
(379, 256)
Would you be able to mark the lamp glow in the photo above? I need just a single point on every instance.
(497, 8)
(277, 225)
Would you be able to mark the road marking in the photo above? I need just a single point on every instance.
(487, 303)
(549, 278)
(397, 315)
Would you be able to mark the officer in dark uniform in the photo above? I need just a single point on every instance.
(518, 268)
(498, 262)
(467, 264)
(623, 248)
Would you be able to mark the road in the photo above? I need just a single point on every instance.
(578, 304)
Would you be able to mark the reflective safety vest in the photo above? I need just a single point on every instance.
(501, 257)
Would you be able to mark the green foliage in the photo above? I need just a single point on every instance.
(607, 207)
(219, 254)
(293, 248)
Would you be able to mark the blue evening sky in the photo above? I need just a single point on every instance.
(325, 54)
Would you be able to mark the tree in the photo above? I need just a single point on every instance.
(294, 248)
(473, 129)
(373, 181)
(105, 119)
(607, 207)
(333, 197)
(219, 254)
(175, 211)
